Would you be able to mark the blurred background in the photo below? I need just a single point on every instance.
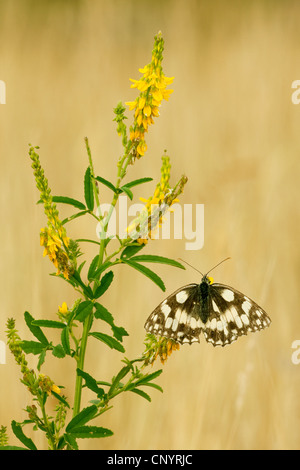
(232, 128)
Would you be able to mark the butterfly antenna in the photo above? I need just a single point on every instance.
(218, 265)
(191, 266)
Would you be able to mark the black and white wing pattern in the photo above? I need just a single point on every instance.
(218, 311)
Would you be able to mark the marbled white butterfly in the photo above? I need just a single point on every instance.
(218, 311)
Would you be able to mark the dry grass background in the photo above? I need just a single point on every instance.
(231, 127)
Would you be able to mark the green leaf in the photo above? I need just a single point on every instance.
(88, 190)
(148, 378)
(150, 384)
(127, 191)
(83, 310)
(88, 432)
(65, 340)
(87, 240)
(76, 279)
(138, 181)
(32, 347)
(101, 268)
(109, 340)
(58, 351)
(141, 393)
(131, 250)
(18, 432)
(103, 314)
(12, 448)
(157, 259)
(93, 267)
(83, 417)
(41, 359)
(90, 382)
(61, 399)
(35, 330)
(116, 380)
(147, 272)
(104, 285)
(106, 183)
(75, 216)
(49, 323)
(71, 441)
(69, 200)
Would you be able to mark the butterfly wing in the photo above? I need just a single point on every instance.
(223, 315)
(232, 314)
(177, 317)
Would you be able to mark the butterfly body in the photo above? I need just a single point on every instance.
(217, 311)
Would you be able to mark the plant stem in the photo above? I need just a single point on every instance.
(80, 363)
(50, 436)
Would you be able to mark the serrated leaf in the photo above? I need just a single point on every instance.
(90, 382)
(82, 417)
(116, 380)
(109, 340)
(104, 284)
(101, 268)
(18, 432)
(150, 384)
(84, 309)
(141, 393)
(65, 340)
(127, 191)
(87, 432)
(32, 347)
(71, 441)
(103, 314)
(131, 250)
(148, 377)
(35, 330)
(58, 351)
(76, 280)
(70, 201)
(93, 267)
(138, 181)
(157, 259)
(88, 190)
(147, 272)
(41, 359)
(107, 183)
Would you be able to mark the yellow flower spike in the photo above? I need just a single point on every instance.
(152, 86)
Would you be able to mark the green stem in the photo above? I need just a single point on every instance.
(80, 363)
(50, 436)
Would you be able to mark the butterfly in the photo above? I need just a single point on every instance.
(220, 312)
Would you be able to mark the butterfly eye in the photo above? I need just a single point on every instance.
(210, 279)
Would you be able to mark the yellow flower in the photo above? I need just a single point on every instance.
(158, 347)
(53, 238)
(151, 216)
(54, 247)
(63, 309)
(152, 86)
(55, 389)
